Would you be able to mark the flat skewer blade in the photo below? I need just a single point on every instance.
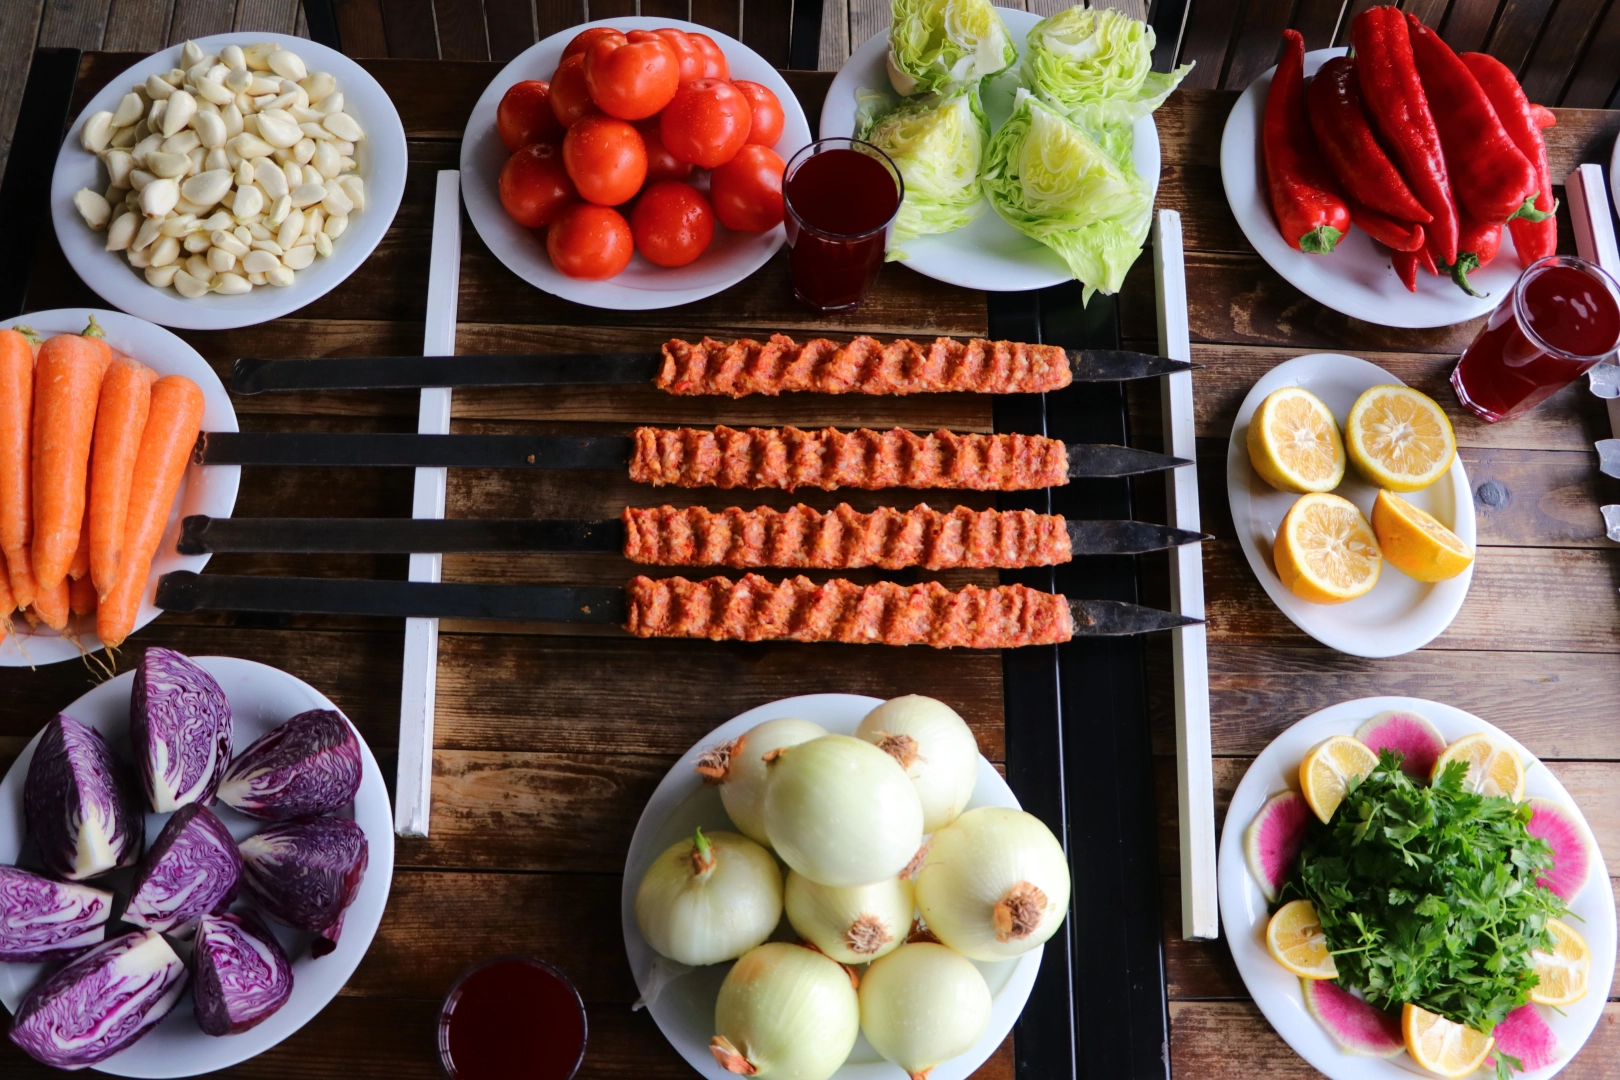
(1117, 365)
(257, 375)
(200, 535)
(413, 451)
(1126, 537)
(183, 590)
(1115, 618)
(1094, 460)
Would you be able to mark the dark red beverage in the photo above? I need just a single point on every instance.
(1563, 317)
(515, 1018)
(841, 197)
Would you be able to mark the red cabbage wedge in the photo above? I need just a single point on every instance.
(41, 919)
(100, 1003)
(77, 806)
(306, 767)
(305, 874)
(192, 870)
(180, 726)
(243, 974)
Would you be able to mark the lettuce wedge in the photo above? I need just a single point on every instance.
(938, 145)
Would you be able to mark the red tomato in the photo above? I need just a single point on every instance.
(605, 159)
(706, 122)
(672, 223)
(767, 111)
(535, 185)
(714, 66)
(590, 241)
(586, 38)
(570, 98)
(747, 190)
(661, 164)
(524, 115)
(692, 58)
(634, 79)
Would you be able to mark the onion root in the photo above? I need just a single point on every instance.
(728, 1057)
(1020, 912)
(714, 764)
(903, 748)
(866, 935)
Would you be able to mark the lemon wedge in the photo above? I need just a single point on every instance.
(1398, 438)
(1415, 543)
(1294, 442)
(1327, 770)
(1295, 939)
(1563, 972)
(1325, 551)
(1443, 1046)
(1492, 769)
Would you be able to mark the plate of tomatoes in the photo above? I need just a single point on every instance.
(631, 164)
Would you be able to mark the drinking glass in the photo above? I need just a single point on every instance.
(512, 1018)
(841, 196)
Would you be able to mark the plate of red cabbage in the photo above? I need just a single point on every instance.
(194, 858)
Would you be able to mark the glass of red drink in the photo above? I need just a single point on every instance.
(512, 1018)
(841, 197)
(1562, 318)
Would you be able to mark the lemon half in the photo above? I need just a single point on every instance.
(1295, 940)
(1398, 438)
(1327, 770)
(1443, 1046)
(1492, 769)
(1563, 973)
(1415, 543)
(1325, 551)
(1294, 442)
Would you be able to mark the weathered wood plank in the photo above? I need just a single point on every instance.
(411, 32)
(1431, 12)
(724, 15)
(277, 16)
(1258, 41)
(18, 22)
(198, 18)
(767, 26)
(1551, 65)
(866, 17)
(1469, 25)
(462, 33)
(1593, 79)
(1211, 28)
(1318, 21)
(552, 16)
(71, 24)
(360, 27)
(835, 43)
(140, 26)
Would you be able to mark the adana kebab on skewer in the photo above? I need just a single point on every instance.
(732, 368)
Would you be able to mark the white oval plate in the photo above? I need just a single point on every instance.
(380, 157)
(1243, 907)
(261, 698)
(987, 253)
(1357, 278)
(207, 490)
(684, 1009)
(1399, 614)
(641, 286)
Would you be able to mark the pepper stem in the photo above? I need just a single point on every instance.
(702, 853)
(94, 330)
(1529, 212)
(1467, 262)
(1320, 240)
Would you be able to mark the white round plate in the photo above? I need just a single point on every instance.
(987, 253)
(380, 157)
(642, 286)
(1399, 614)
(1356, 279)
(261, 698)
(684, 1008)
(207, 490)
(1244, 914)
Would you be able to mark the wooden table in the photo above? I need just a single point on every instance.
(549, 745)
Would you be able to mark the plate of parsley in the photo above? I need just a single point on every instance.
(1470, 898)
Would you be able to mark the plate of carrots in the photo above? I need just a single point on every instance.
(99, 412)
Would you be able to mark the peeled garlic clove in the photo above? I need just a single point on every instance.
(196, 243)
(249, 201)
(303, 151)
(197, 267)
(119, 164)
(278, 129)
(183, 143)
(232, 285)
(149, 231)
(97, 131)
(231, 56)
(162, 276)
(159, 197)
(191, 53)
(355, 189)
(139, 178)
(165, 251)
(178, 225)
(206, 189)
(332, 103)
(257, 57)
(221, 261)
(323, 245)
(336, 225)
(210, 130)
(258, 234)
(318, 85)
(251, 146)
(93, 207)
(233, 120)
(165, 165)
(140, 260)
(281, 102)
(124, 138)
(294, 173)
(327, 161)
(307, 195)
(264, 86)
(181, 108)
(148, 145)
(343, 126)
(218, 158)
(260, 262)
(280, 210)
(130, 109)
(299, 258)
(291, 229)
(229, 241)
(122, 232)
(279, 276)
(216, 93)
(271, 178)
(288, 65)
(157, 89)
(188, 286)
(314, 221)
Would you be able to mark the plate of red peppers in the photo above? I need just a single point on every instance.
(1399, 183)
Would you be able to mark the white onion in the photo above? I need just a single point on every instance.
(993, 884)
(738, 767)
(935, 747)
(709, 899)
(922, 1005)
(785, 1012)
(852, 924)
(841, 812)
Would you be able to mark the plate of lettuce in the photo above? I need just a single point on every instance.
(1028, 145)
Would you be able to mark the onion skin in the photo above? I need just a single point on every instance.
(709, 899)
(994, 883)
(922, 1005)
(854, 924)
(932, 742)
(740, 771)
(785, 1012)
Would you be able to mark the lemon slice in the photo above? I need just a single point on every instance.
(1415, 543)
(1325, 551)
(1443, 1046)
(1295, 939)
(1492, 769)
(1563, 972)
(1294, 442)
(1327, 770)
(1398, 438)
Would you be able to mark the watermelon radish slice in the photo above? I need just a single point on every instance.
(1355, 1025)
(1273, 839)
(1418, 741)
(1525, 1035)
(1571, 849)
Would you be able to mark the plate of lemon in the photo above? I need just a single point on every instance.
(1351, 504)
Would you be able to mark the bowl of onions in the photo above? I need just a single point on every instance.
(834, 887)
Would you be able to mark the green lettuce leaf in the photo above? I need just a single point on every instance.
(1052, 181)
(938, 144)
(1096, 66)
(936, 46)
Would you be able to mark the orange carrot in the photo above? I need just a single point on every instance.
(80, 566)
(126, 398)
(51, 605)
(82, 596)
(67, 387)
(160, 464)
(16, 429)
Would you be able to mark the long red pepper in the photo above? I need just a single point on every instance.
(1399, 111)
(1477, 244)
(1347, 141)
(1532, 239)
(1310, 211)
(1394, 233)
(1406, 268)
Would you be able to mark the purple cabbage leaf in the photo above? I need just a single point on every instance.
(306, 767)
(100, 1003)
(180, 726)
(192, 870)
(305, 874)
(243, 974)
(76, 806)
(41, 919)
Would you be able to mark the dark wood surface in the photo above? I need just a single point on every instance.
(547, 746)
